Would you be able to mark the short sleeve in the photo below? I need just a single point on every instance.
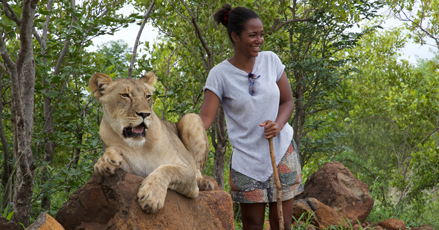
(278, 66)
(215, 84)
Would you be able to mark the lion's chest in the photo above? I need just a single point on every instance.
(144, 162)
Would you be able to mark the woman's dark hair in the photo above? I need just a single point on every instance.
(234, 19)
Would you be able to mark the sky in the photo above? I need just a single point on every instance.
(410, 52)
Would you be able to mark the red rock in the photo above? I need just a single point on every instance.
(335, 186)
(392, 224)
(45, 222)
(322, 216)
(356, 227)
(110, 203)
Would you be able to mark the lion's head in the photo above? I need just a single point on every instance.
(127, 104)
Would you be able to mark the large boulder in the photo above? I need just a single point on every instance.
(110, 203)
(45, 222)
(335, 186)
(321, 215)
(392, 224)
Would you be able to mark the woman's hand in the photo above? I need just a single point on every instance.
(271, 129)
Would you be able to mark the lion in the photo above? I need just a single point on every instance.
(167, 155)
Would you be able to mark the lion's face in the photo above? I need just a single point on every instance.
(127, 104)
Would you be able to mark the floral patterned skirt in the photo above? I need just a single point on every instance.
(244, 189)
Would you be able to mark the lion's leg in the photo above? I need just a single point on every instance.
(153, 189)
(191, 132)
(111, 160)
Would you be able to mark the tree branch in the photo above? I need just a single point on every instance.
(9, 12)
(3, 67)
(178, 12)
(67, 44)
(8, 61)
(136, 43)
(291, 21)
(200, 36)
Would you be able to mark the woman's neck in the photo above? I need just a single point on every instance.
(242, 62)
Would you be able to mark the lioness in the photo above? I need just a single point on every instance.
(168, 155)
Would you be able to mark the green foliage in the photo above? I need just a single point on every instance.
(391, 112)
(357, 102)
(420, 18)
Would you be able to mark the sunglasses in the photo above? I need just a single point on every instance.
(252, 88)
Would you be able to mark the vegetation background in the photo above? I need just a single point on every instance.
(356, 100)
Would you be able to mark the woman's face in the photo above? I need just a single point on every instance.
(251, 38)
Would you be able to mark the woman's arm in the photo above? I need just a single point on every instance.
(286, 108)
(209, 108)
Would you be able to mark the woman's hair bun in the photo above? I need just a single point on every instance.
(221, 15)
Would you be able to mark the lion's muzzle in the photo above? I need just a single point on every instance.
(134, 131)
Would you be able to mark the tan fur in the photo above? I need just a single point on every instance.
(168, 156)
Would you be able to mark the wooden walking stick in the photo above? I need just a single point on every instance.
(280, 212)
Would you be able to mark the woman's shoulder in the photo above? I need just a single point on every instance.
(219, 68)
(218, 71)
(269, 57)
(267, 54)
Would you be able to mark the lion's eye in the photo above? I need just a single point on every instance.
(148, 97)
(125, 95)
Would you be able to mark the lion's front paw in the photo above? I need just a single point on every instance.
(151, 195)
(205, 184)
(109, 162)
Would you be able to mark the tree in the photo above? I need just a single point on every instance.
(22, 73)
(62, 31)
(420, 18)
(308, 36)
(184, 60)
(388, 112)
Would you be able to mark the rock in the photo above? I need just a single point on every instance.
(298, 223)
(392, 224)
(8, 224)
(323, 215)
(110, 203)
(45, 222)
(335, 186)
(378, 228)
(356, 227)
(424, 227)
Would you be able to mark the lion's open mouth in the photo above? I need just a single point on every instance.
(136, 131)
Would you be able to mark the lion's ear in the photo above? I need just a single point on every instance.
(98, 82)
(149, 80)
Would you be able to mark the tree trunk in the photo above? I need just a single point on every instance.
(79, 136)
(22, 108)
(6, 178)
(219, 141)
(48, 117)
(299, 118)
(48, 144)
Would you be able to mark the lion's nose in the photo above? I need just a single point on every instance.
(144, 115)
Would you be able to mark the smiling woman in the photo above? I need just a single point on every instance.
(253, 89)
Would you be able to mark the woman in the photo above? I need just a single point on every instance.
(253, 88)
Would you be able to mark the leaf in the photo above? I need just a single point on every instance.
(9, 217)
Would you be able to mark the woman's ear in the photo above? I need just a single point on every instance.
(235, 37)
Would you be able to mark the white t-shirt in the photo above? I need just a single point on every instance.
(244, 113)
